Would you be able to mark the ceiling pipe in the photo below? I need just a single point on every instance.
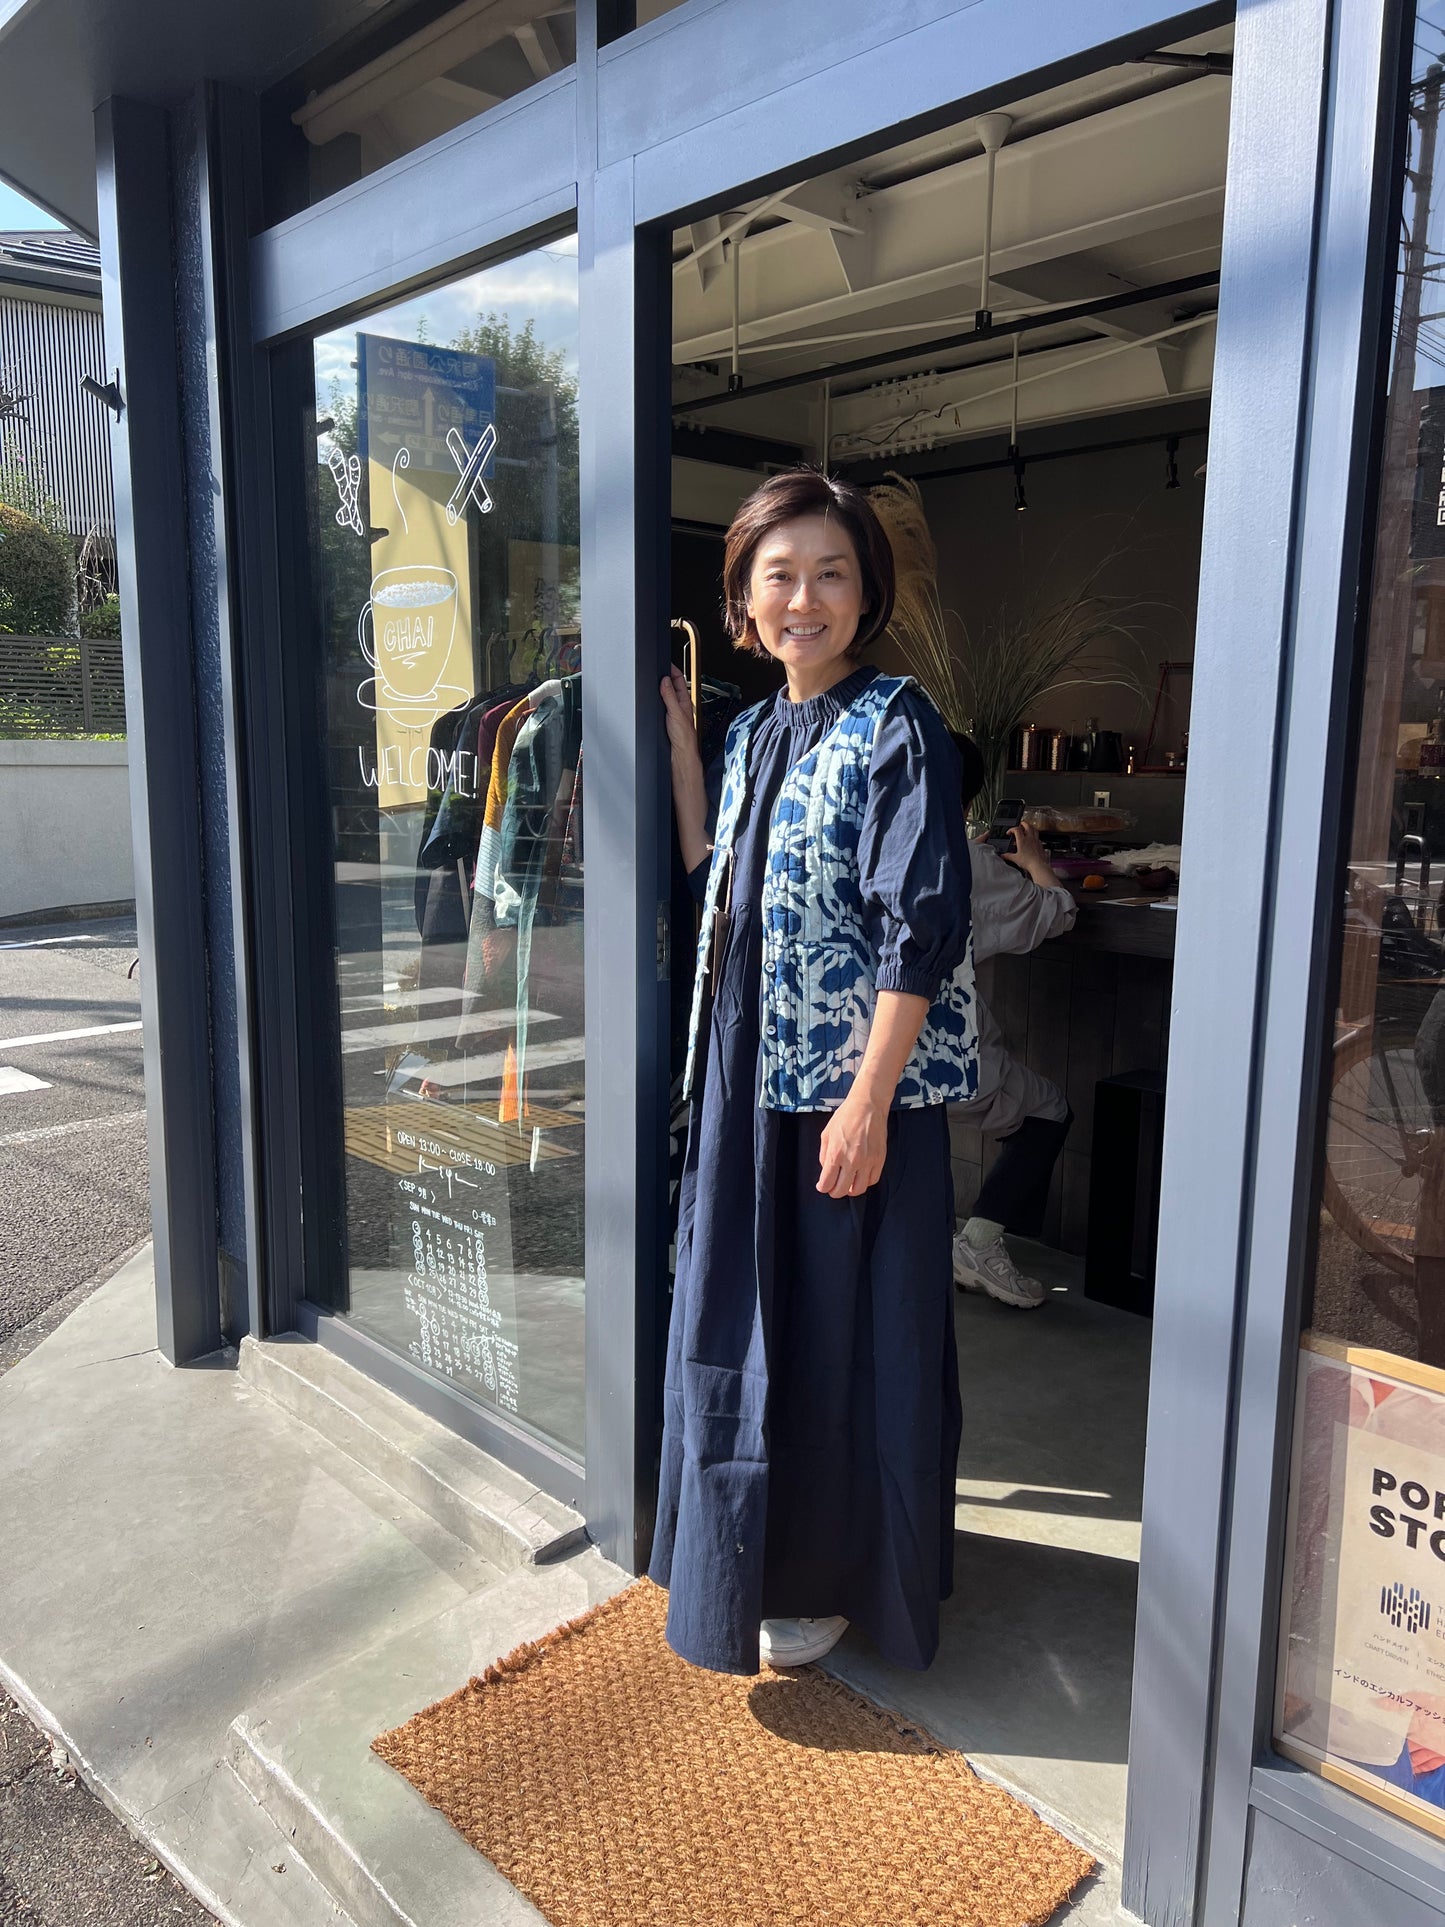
(996, 331)
(993, 131)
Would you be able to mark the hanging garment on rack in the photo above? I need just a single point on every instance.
(457, 822)
(541, 785)
(440, 745)
(444, 860)
(489, 977)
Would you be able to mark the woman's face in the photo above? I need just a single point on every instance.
(805, 593)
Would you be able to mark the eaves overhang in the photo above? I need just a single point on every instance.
(59, 59)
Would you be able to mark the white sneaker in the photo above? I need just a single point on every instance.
(990, 1268)
(795, 1642)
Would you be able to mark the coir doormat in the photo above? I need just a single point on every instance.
(616, 1786)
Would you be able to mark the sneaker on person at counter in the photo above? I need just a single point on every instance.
(990, 1268)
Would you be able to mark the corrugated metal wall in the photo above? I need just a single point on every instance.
(45, 348)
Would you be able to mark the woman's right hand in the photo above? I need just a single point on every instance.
(689, 790)
(681, 729)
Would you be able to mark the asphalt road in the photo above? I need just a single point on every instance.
(74, 1203)
(74, 1200)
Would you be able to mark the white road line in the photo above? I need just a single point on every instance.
(13, 1080)
(428, 1029)
(67, 1130)
(61, 1036)
(39, 943)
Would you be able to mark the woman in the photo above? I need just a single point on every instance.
(811, 1409)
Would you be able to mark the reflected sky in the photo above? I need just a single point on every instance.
(540, 286)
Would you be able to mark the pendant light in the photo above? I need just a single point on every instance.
(993, 131)
(735, 378)
(1021, 500)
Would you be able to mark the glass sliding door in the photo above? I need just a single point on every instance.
(445, 561)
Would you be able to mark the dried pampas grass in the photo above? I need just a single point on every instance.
(1001, 670)
(920, 621)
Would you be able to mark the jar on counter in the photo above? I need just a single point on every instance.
(1034, 746)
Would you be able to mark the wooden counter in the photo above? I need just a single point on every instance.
(1123, 919)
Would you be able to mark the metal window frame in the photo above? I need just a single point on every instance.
(1352, 300)
(635, 148)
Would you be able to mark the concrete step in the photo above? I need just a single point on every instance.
(216, 1838)
(483, 1503)
(386, 1857)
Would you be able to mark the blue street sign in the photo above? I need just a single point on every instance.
(425, 400)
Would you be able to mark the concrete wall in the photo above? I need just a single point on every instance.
(64, 826)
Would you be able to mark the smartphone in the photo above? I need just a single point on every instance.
(1008, 814)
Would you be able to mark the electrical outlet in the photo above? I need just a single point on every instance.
(1101, 799)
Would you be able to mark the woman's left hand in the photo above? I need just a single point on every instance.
(854, 1147)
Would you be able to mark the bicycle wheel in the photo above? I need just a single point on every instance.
(1379, 1131)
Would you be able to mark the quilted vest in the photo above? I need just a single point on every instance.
(818, 965)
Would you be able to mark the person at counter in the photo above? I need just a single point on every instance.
(1018, 903)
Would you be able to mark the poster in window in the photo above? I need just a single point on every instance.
(426, 418)
(1362, 1673)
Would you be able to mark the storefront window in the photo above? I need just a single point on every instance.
(1362, 1673)
(446, 560)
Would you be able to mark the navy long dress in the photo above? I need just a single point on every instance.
(811, 1416)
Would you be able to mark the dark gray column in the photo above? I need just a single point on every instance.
(1229, 886)
(139, 276)
(625, 312)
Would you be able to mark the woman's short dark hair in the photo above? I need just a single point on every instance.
(782, 498)
(974, 773)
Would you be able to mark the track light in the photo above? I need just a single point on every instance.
(1021, 500)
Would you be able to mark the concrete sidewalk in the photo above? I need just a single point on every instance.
(220, 1584)
(179, 1554)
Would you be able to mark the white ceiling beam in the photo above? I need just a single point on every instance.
(1058, 384)
(706, 256)
(1137, 169)
(379, 134)
(837, 209)
(950, 278)
(1049, 283)
(739, 224)
(433, 51)
(456, 93)
(539, 47)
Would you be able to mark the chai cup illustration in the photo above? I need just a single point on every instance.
(405, 630)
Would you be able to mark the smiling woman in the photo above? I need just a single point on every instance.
(812, 1325)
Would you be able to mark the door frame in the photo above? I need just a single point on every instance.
(627, 142)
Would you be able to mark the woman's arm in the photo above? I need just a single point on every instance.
(689, 787)
(855, 1138)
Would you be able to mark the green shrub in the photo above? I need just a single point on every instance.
(101, 619)
(37, 578)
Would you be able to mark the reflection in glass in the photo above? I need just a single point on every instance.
(382, 95)
(447, 570)
(1361, 1691)
(1380, 1276)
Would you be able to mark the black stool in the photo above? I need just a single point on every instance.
(1123, 1238)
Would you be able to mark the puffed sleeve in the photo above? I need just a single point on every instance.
(913, 857)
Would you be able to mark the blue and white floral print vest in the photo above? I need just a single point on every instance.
(818, 965)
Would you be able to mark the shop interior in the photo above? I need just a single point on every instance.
(1017, 315)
